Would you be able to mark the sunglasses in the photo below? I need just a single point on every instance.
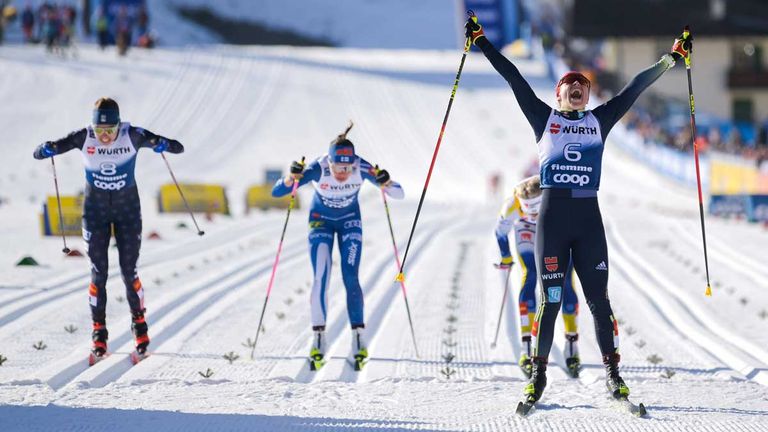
(342, 169)
(102, 130)
(574, 77)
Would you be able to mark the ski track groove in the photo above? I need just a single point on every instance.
(117, 363)
(338, 324)
(682, 317)
(719, 251)
(252, 118)
(18, 308)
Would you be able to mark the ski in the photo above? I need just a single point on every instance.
(136, 357)
(357, 364)
(524, 407)
(93, 358)
(636, 410)
(572, 368)
(316, 365)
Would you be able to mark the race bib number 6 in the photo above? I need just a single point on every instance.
(571, 152)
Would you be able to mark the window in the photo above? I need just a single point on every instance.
(743, 110)
(747, 56)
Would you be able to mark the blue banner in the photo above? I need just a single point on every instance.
(757, 211)
(499, 19)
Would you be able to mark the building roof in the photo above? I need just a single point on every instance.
(651, 18)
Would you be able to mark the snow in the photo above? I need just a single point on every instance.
(241, 110)
(392, 24)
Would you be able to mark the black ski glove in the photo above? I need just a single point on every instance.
(297, 169)
(382, 177)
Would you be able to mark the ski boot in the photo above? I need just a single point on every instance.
(535, 387)
(613, 382)
(571, 354)
(99, 337)
(139, 328)
(525, 358)
(317, 353)
(538, 380)
(359, 347)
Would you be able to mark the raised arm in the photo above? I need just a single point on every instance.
(535, 110)
(609, 113)
(63, 145)
(144, 138)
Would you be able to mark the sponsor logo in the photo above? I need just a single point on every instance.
(553, 294)
(602, 266)
(113, 151)
(344, 152)
(526, 237)
(549, 276)
(315, 215)
(352, 255)
(550, 263)
(580, 180)
(86, 235)
(91, 150)
(340, 187)
(581, 130)
(357, 223)
(352, 237)
(316, 224)
(109, 185)
(580, 168)
(554, 128)
(320, 236)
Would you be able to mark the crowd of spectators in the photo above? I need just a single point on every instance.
(54, 24)
(664, 121)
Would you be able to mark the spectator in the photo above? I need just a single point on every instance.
(102, 29)
(123, 30)
(28, 23)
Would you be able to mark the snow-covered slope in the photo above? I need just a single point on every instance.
(698, 363)
(349, 23)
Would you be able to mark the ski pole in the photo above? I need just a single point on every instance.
(503, 302)
(397, 260)
(186, 204)
(686, 33)
(58, 201)
(277, 260)
(401, 275)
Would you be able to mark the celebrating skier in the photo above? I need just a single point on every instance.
(109, 148)
(571, 141)
(335, 212)
(520, 212)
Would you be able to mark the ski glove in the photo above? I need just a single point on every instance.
(382, 177)
(48, 149)
(297, 169)
(505, 264)
(473, 29)
(161, 146)
(681, 49)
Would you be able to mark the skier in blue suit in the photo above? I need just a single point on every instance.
(335, 213)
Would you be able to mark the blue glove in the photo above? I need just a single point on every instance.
(161, 146)
(48, 150)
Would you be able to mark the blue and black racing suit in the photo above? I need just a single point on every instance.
(111, 204)
(335, 213)
(569, 224)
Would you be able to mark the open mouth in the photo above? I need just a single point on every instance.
(576, 95)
